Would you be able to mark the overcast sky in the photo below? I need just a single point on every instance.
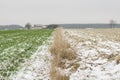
(58, 11)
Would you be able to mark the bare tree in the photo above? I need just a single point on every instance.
(112, 23)
(28, 26)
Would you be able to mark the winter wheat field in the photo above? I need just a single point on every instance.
(60, 54)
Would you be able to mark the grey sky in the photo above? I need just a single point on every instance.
(58, 11)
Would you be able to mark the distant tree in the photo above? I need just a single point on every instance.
(52, 26)
(112, 23)
(28, 26)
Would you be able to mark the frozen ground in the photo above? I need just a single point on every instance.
(97, 56)
(37, 67)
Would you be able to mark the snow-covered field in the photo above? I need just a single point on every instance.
(99, 57)
(37, 67)
(98, 54)
(17, 46)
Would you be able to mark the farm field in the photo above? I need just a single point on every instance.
(67, 54)
(98, 51)
(17, 46)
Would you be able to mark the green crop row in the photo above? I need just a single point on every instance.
(16, 46)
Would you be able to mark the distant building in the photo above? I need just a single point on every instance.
(38, 26)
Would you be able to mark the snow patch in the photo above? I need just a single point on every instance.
(37, 67)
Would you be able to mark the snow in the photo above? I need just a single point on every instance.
(105, 71)
(37, 67)
(88, 47)
(93, 67)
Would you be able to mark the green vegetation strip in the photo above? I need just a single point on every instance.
(18, 45)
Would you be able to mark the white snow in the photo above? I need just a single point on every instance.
(93, 67)
(88, 47)
(37, 67)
